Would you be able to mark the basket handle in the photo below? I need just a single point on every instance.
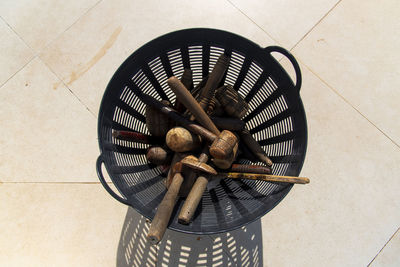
(291, 58)
(99, 162)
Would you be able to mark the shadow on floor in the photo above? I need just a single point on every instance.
(241, 247)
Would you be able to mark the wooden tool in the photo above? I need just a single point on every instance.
(137, 137)
(226, 163)
(233, 104)
(180, 139)
(194, 163)
(190, 175)
(250, 169)
(187, 81)
(175, 159)
(197, 129)
(254, 147)
(165, 208)
(174, 115)
(157, 123)
(215, 77)
(159, 155)
(191, 104)
(265, 177)
(223, 145)
(193, 199)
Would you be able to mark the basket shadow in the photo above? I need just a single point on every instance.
(241, 247)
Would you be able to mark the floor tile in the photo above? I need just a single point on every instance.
(87, 55)
(390, 255)
(14, 53)
(47, 134)
(58, 225)
(350, 208)
(39, 21)
(357, 54)
(286, 21)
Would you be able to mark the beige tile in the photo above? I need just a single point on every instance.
(390, 255)
(286, 21)
(47, 134)
(350, 208)
(40, 21)
(357, 54)
(88, 54)
(58, 225)
(14, 53)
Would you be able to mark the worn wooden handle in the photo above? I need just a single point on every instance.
(191, 104)
(192, 200)
(164, 210)
(266, 177)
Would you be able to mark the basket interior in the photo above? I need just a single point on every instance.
(275, 118)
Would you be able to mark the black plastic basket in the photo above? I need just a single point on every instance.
(276, 119)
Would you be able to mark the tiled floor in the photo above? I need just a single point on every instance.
(57, 58)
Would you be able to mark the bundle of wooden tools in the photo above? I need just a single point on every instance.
(197, 139)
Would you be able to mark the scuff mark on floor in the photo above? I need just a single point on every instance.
(76, 74)
(85, 67)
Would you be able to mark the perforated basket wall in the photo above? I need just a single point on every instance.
(276, 119)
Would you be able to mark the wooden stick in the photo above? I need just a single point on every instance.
(266, 177)
(187, 81)
(164, 210)
(191, 104)
(192, 200)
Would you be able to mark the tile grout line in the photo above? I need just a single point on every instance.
(11, 28)
(316, 24)
(12, 76)
(350, 104)
(70, 26)
(269, 35)
(62, 81)
(379, 252)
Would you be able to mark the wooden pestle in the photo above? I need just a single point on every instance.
(165, 208)
(187, 81)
